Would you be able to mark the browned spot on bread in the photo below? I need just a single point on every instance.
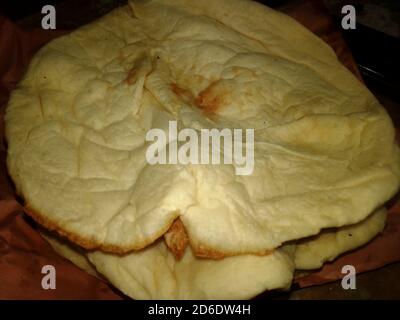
(131, 78)
(176, 239)
(210, 99)
(141, 68)
(178, 90)
(90, 243)
(184, 94)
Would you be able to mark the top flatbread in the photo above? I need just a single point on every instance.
(324, 153)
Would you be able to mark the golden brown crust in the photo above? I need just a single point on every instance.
(177, 245)
(89, 244)
(176, 239)
(203, 251)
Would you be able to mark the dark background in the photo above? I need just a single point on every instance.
(17, 9)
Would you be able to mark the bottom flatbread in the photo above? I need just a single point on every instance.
(312, 253)
(154, 273)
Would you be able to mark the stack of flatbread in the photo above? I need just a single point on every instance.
(325, 154)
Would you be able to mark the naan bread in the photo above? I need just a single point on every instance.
(329, 244)
(324, 148)
(154, 273)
